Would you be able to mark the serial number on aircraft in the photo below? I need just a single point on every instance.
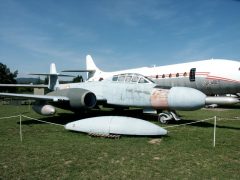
(137, 91)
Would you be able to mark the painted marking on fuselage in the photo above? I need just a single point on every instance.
(222, 79)
(198, 74)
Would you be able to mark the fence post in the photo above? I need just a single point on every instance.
(20, 128)
(214, 131)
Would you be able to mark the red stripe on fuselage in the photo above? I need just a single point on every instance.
(197, 74)
(222, 79)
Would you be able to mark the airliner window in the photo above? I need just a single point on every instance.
(192, 74)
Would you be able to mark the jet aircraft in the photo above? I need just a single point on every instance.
(123, 90)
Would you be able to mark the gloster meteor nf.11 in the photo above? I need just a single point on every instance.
(123, 90)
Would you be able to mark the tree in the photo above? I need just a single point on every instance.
(77, 79)
(7, 77)
(45, 80)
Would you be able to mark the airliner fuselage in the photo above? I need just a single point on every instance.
(209, 76)
(216, 76)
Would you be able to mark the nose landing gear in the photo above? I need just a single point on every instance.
(165, 117)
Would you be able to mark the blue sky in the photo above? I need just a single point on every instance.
(119, 34)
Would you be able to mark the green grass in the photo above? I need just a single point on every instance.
(50, 152)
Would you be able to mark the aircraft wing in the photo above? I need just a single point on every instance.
(25, 85)
(36, 97)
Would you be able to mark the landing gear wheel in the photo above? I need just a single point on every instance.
(163, 118)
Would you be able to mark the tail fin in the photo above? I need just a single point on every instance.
(53, 82)
(91, 67)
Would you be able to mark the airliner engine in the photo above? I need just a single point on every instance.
(78, 98)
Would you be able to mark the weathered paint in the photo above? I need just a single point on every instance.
(159, 98)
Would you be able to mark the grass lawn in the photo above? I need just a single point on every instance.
(50, 152)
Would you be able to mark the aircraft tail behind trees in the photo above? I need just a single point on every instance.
(93, 72)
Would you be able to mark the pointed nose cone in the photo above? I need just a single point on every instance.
(184, 98)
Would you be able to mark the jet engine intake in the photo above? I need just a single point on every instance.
(78, 98)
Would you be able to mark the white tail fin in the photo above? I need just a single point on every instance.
(91, 67)
(53, 69)
(53, 77)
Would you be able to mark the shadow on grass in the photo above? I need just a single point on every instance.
(64, 118)
(204, 124)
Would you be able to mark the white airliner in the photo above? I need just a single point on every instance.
(212, 77)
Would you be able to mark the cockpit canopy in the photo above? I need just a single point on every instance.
(131, 78)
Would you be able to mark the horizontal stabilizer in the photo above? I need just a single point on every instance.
(79, 70)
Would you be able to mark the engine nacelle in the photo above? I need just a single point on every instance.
(78, 98)
(45, 109)
(178, 98)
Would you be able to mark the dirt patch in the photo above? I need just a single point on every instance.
(155, 141)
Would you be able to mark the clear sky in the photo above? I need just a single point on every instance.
(119, 34)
